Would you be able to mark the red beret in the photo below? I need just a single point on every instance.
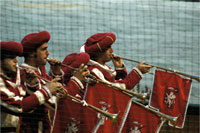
(34, 40)
(11, 48)
(74, 60)
(99, 41)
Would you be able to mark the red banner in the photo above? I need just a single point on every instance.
(141, 120)
(107, 99)
(170, 95)
(70, 114)
(67, 116)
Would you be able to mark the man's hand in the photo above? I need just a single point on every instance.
(55, 65)
(81, 73)
(143, 67)
(117, 61)
(30, 76)
(54, 85)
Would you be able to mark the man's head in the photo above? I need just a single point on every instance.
(9, 52)
(74, 60)
(99, 46)
(36, 47)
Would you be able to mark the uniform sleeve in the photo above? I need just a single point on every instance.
(132, 79)
(100, 76)
(11, 96)
(121, 73)
(74, 86)
(128, 82)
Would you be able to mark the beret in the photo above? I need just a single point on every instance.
(34, 40)
(11, 48)
(98, 42)
(74, 60)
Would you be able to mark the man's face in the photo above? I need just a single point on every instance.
(8, 65)
(41, 54)
(106, 56)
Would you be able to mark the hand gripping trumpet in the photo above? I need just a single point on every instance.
(30, 92)
(197, 78)
(173, 120)
(113, 117)
(63, 65)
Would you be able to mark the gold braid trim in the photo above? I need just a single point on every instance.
(110, 38)
(76, 84)
(99, 47)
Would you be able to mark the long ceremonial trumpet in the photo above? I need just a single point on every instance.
(174, 71)
(140, 96)
(94, 79)
(173, 120)
(64, 65)
(113, 117)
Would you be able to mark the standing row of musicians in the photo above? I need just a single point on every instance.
(30, 89)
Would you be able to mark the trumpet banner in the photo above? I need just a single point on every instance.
(141, 120)
(109, 100)
(69, 115)
(170, 95)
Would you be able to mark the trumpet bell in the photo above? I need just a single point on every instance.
(174, 120)
(114, 117)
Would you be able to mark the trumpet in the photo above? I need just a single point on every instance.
(173, 120)
(94, 79)
(113, 117)
(130, 93)
(63, 65)
(197, 78)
